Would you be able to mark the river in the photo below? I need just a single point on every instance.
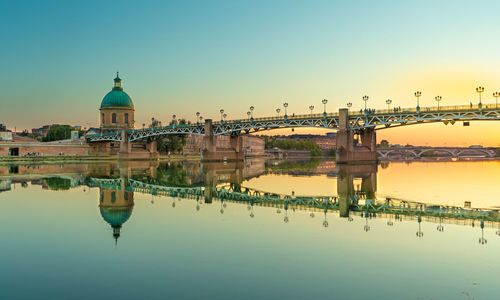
(258, 229)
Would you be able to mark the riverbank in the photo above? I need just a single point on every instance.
(82, 158)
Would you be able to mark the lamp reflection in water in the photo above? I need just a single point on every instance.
(366, 228)
(440, 227)
(419, 232)
(285, 219)
(325, 222)
(251, 209)
(482, 240)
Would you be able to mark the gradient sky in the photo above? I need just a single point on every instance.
(58, 59)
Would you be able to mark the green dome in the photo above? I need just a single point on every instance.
(117, 98)
(116, 217)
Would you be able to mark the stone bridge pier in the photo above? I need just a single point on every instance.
(347, 150)
(210, 151)
(127, 152)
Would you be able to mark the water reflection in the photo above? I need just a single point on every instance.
(204, 184)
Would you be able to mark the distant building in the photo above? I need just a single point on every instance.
(324, 142)
(6, 136)
(42, 131)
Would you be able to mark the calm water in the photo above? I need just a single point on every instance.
(116, 231)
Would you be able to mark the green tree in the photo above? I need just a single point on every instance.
(313, 148)
(384, 144)
(25, 133)
(58, 184)
(60, 132)
(174, 142)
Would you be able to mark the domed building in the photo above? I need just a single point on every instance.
(117, 108)
(116, 207)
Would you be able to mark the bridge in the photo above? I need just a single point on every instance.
(418, 152)
(347, 123)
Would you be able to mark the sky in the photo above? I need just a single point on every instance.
(58, 59)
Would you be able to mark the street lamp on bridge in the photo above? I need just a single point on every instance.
(221, 114)
(285, 105)
(496, 95)
(173, 119)
(311, 107)
(225, 116)
(388, 102)
(324, 101)
(479, 90)
(251, 110)
(438, 99)
(349, 105)
(248, 114)
(278, 112)
(365, 98)
(418, 94)
(197, 117)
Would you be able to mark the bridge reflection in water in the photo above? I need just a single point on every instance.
(223, 183)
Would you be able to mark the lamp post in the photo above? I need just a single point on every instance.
(388, 102)
(349, 105)
(251, 110)
(496, 95)
(479, 90)
(285, 105)
(201, 119)
(221, 114)
(225, 116)
(197, 117)
(418, 94)
(248, 114)
(311, 107)
(324, 101)
(438, 99)
(173, 119)
(278, 112)
(365, 98)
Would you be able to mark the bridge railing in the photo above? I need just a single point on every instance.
(282, 118)
(473, 107)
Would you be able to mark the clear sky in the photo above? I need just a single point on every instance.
(58, 59)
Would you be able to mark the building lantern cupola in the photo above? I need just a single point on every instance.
(118, 83)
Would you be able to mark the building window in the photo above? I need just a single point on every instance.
(113, 118)
(126, 118)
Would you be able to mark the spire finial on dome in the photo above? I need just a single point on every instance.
(118, 82)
